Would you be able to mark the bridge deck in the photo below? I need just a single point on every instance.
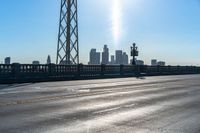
(155, 104)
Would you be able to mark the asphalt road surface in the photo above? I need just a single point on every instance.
(166, 104)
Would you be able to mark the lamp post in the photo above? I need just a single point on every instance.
(134, 53)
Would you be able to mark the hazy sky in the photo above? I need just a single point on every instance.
(167, 30)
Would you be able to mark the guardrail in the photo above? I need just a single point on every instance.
(21, 73)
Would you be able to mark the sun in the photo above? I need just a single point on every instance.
(116, 19)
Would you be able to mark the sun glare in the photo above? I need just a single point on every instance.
(116, 19)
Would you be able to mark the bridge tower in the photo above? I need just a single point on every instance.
(68, 44)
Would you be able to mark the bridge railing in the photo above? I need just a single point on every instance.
(34, 73)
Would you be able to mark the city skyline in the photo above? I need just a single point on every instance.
(107, 58)
(166, 30)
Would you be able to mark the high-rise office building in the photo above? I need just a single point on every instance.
(49, 59)
(94, 57)
(112, 62)
(98, 58)
(119, 57)
(154, 62)
(125, 58)
(161, 63)
(7, 60)
(105, 55)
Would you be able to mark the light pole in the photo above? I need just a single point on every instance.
(134, 53)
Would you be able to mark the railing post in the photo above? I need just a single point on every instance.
(158, 70)
(195, 70)
(137, 71)
(121, 70)
(178, 70)
(80, 66)
(51, 70)
(102, 69)
(144, 69)
(169, 70)
(15, 70)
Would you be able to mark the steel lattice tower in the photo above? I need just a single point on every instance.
(68, 45)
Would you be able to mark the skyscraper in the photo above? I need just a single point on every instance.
(48, 59)
(153, 62)
(125, 58)
(94, 57)
(105, 55)
(98, 58)
(119, 57)
(7, 60)
(161, 63)
(112, 62)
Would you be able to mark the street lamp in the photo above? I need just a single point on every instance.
(134, 53)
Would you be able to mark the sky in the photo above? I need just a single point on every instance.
(166, 30)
